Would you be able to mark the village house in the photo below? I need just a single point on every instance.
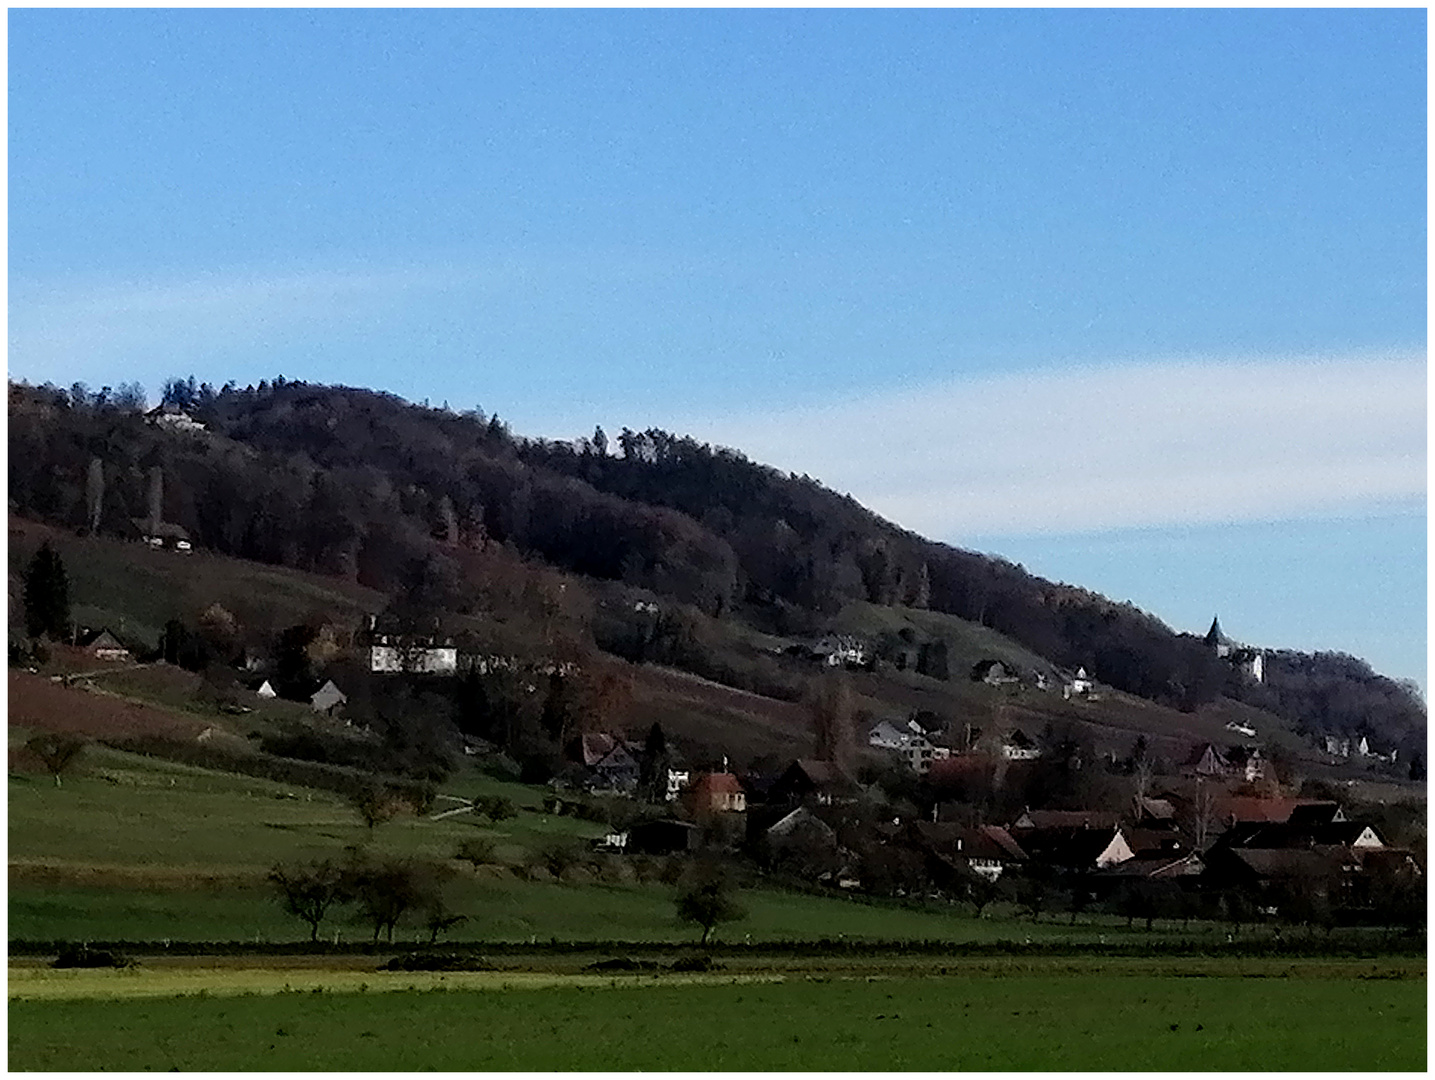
(413, 654)
(327, 699)
(909, 743)
(715, 793)
(665, 837)
(1079, 685)
(994, 673)
(162, 535)
(102, 645)
(799, 841)
(677, 780)
(1235, 809)
(1154, 813)
(171, 417)
(1016, 745)
(608, 761)
(840, 650)
(1207, 761)
(1067, 819)
(986, 851)
(821, 782)
(1074, 849)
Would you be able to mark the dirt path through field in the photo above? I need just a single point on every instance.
(48, 984)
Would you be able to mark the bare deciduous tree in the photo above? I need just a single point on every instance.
(308, 892)
(56, 752)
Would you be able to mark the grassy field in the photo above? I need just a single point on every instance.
(123, 583)
(502, 908)
(131, 848)
(1020, 1020)
(134, 848)
(128, 809)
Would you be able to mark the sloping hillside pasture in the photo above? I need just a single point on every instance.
(1017, 1021)
(124, 582)
(135, 848)
(694, 710)
(38, 703)
(122, 808)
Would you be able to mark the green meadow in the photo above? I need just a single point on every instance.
(135, 849)
(991, 1022)
(132, 848)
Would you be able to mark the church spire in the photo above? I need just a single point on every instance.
(1214, 635)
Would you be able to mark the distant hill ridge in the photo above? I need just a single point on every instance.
(394, 496)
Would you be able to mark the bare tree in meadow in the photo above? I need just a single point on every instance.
(56, 752)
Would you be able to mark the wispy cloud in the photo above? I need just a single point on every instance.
(70, 330)
(1114, 446)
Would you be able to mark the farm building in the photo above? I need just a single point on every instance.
(327, 698)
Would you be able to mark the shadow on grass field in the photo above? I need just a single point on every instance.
(1015, 1021)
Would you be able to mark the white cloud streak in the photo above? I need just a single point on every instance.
(1132, 445)
(71, 328)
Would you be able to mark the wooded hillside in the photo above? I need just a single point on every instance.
(399, 497)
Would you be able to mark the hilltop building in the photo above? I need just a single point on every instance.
(1249, 660)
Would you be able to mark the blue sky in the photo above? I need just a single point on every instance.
(1137, 298)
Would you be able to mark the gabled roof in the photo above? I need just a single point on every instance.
(1288, 834)
(993, 842)
(164, 529)
(958, 766)
(100, 639)
(595, 746)
(1157, 809)
(327, 695)
(1068, 819)
(616, 758)
(1285, 862)
(823, 774)
(1254, 808)
(1157, 864)
(801, 818)
(1207, 754)
(720, 783)
(1076, 847)
(1153, 840)
(1316, 813)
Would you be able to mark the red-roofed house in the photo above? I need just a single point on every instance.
(715, 793)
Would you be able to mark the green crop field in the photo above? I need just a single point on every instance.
(1016, 1020)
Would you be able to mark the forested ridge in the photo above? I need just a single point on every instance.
(397, 496)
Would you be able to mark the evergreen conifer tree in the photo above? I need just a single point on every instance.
(47, 595)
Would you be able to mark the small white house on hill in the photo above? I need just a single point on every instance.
(327, 698)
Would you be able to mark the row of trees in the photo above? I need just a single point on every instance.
(382, 892)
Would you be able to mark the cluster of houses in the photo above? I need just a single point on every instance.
(1342, 747)
(1210, 761)
(832, 650)
(800, 817)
